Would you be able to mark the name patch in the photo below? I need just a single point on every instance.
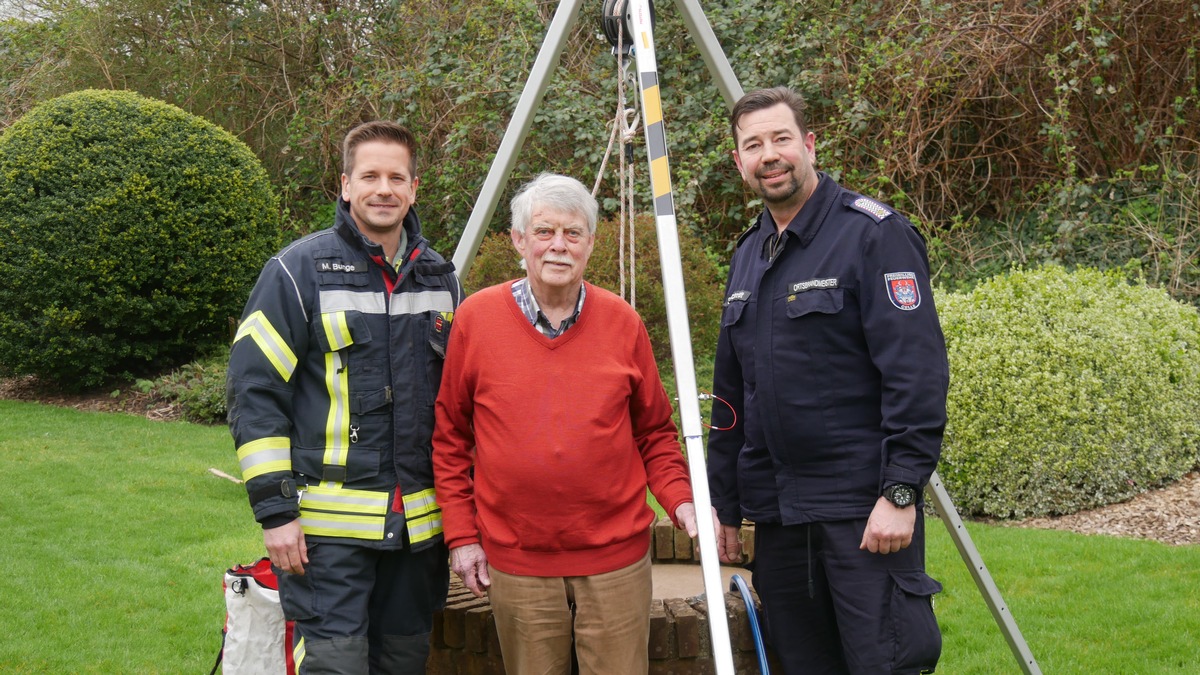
(334, 266)
(902, 290)
(737, 296)
(802, 286)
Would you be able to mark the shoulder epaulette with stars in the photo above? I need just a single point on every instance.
(871, 207)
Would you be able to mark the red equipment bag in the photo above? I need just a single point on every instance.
(256, 640)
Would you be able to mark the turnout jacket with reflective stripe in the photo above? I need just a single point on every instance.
(332, 378)
(832, 360)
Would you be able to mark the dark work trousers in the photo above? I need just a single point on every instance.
(831, 608)
(358, 610)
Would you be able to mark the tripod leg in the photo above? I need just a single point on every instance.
(983, 579)
(548, 57)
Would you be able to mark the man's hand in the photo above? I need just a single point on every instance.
(285, 545)
(889, 529)
(729, 544)
(469, 562)
(685, 515)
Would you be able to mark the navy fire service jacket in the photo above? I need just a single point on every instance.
(332, 379)
(831, 357)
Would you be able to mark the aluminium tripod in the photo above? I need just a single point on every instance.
(638, 17)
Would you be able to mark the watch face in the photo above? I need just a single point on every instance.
(901, 495)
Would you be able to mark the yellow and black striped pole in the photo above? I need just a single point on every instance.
(641, 31)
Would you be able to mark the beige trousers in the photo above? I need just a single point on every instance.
(608, 615)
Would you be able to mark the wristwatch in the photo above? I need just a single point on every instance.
(901, 495)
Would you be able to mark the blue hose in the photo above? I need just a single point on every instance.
(739, 584)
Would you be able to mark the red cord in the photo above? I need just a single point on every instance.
(731, 410)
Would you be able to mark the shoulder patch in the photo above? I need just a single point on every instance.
(871, 208)
(902, 290)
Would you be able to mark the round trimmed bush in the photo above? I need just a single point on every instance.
(130, 235)
(1067, 391)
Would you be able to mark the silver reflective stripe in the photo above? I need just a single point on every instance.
(265, 455)
(337, 331)
(337, 425)
(351, 501)
(298, 653)
(425, 528)
(420, 503)
(419, 303)
(270, 342)
(336, 525)
(367, 302)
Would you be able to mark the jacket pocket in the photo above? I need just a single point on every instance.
(340, 329)
(732, 313)
(822, 301)
(918, 641)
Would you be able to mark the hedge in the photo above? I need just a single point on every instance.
(130, 235)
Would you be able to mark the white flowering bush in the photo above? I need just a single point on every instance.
(1068, 390)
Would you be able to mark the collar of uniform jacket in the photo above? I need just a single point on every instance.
(808, 221)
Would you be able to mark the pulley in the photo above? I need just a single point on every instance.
(616, 11)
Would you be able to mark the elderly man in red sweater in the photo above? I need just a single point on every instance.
(551, 395)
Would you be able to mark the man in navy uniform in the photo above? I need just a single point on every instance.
(834, 366)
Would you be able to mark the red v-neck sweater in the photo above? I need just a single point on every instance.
(564, 435)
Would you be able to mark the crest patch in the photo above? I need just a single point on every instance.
(902, 290)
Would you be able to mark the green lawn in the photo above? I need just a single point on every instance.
(115, 537)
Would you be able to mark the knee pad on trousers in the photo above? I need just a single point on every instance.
(401, 654)
(335, 656)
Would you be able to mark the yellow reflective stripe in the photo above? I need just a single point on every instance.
(340, 499)
(337, 331)
(653, 105)
(337, 424)
(340, 525)
(420, 529)
(660, 177)
(298, 652)
(264, 455)
(270, 342)
(419, 503)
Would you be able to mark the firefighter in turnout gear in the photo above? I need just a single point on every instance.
(332, 379)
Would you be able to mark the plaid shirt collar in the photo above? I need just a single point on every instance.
(523, 294)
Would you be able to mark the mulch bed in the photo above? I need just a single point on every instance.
(126, 400)
(1170, 515)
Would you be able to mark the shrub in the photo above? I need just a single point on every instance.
(130, 235)
(498, 261)
(198, 388)
(1067, 391)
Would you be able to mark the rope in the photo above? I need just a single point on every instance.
(624, 128)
